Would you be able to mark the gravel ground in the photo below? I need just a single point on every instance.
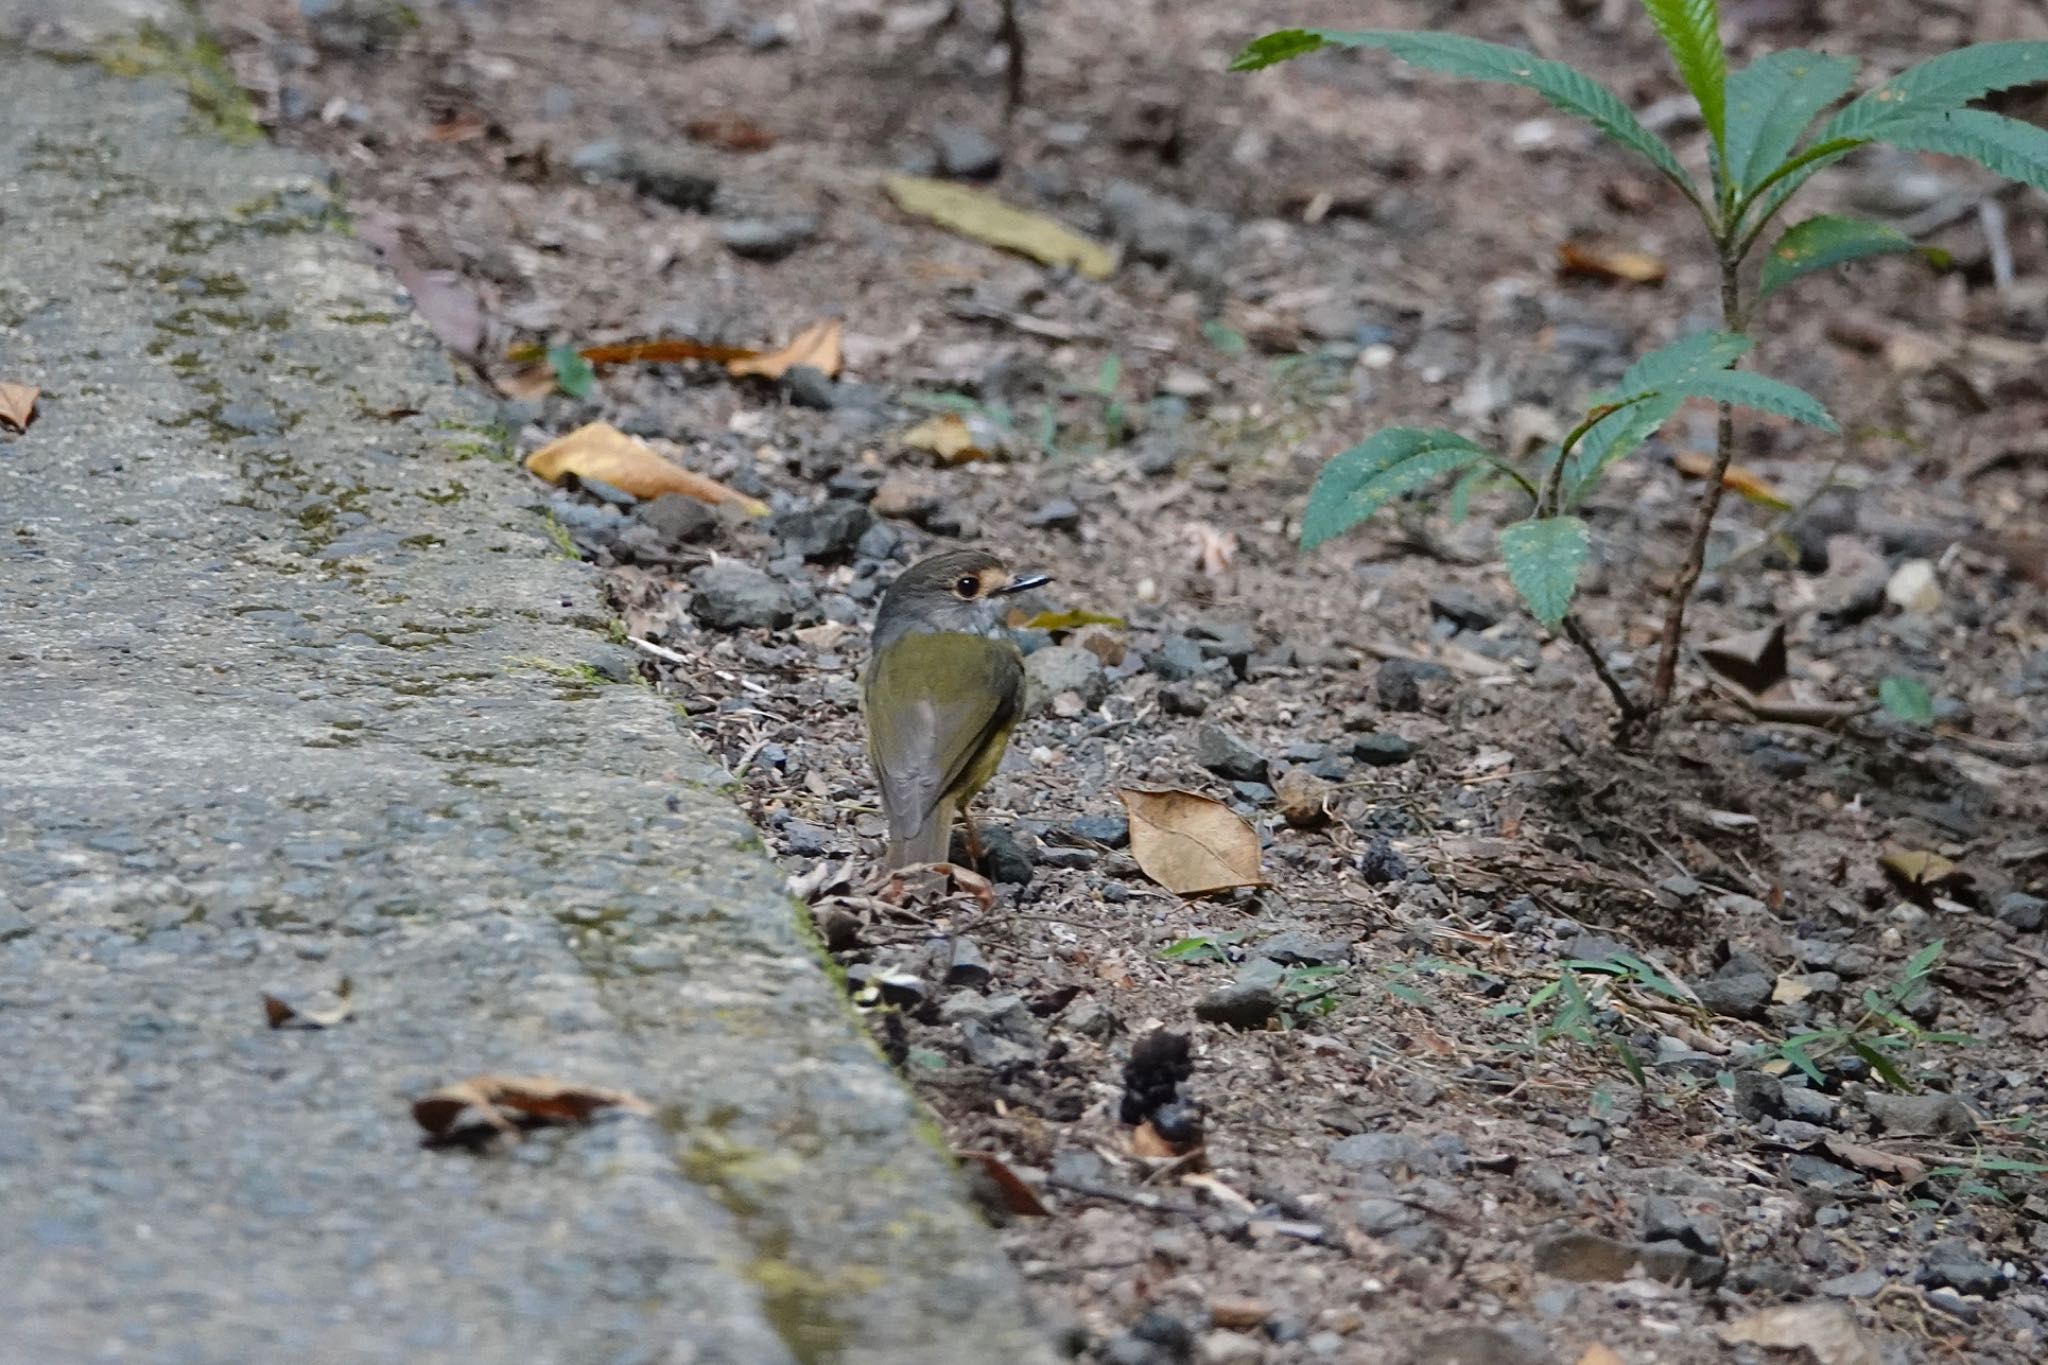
(1508, 1057)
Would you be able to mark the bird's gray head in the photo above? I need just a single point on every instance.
(957, 590)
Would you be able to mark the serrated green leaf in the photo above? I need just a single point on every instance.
(1273, 48)
(1361, 480)
(1770, 103)
(1939, 85)
(1907, 699)
(1543, 557)
(1455, 55)
(1825, 241)
(573, 374)
(1691, 29)
(1668, 366)
(1613, 438)
(1747, 390)
(1459, 505)
(2017, 151)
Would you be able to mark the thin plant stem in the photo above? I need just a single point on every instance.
(1632, 712)
(1710, 500)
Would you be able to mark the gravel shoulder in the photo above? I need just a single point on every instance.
(297, 690)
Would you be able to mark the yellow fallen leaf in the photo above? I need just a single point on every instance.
(1071, 619)
(951, 437)
(1737, 480)
(1616, 267)
(982, 216)
(601, 451)
(816, 346)
(1190, 844)
(1919, 866)
(1596, 1354)
(17, 405)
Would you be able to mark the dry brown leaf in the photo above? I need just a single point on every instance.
(533, 1099)
(1895, 1166)
(449, 306)
(1239, 1315)
(1146, 1142)
(1742, 482)
(817, 346)
(1303, 799)
(528, 381)
(731, 132)
(1754, 660)
(664, 351)
(980, 215)
(923, 881)
(1827, 1331)
(17, 405)
(1018, 1197)
(1596, 1354)
(1613, 267)
(282, 1013)
(1919, 867)
(1213, 548)
(463, 125)
(954, 438)
(1190, 844)
(601, 451)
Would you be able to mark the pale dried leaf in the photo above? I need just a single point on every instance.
(17, 405)
(1213, 548)
(1596, 1354)
(1744, 483)
(1190, 844)
(954, 438)
(1610, 266)
(817, 346)
(601, 451)
(487, 1098)
(1894, 1166)
(1919, 866)
(1827, 1331)
(282, 1013)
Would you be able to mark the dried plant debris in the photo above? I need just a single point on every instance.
(311, 1013)
(504, 1106)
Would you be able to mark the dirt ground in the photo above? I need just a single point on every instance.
(1508, 1059)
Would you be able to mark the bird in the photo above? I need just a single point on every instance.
(943, 688)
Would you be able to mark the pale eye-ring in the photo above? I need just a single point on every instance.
(968, 585)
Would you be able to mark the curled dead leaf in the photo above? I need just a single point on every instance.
(281, 1013)
(1919, 867)
(1742, 482)
(955, 438)
(817, 346)
(1754, 660)
(1612, 267)
(664, 351)
(480, 1104)
(17, 405)
(1146, 1142)
(1018, 1197)
(1213, 548)
(601, 451)
(1190, 844)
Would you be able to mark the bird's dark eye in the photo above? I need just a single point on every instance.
(968, 585)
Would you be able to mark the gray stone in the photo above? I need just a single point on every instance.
(1396, 1153)
(1003, 857)
(2022, 911)
(1398, 685)
(1739, 995)
(660, 172)
(252, 417)
(1177, 659)
(1182, 699)
(810, 387)
(1111, 831)
(1227, 755)
(1933, 1115)
(966, 153)
(1590, 1258)
(1464, 608)
(659, 529)
(1239, 1005)
(733, 596)
(1297, 948)
(1055, 669)
(1058, 514)
(1381, 749)
(966, 965)
(767, 239)
(828, 533)
(1473, 1344)
(280, 1173)
(1759, 1095)
(1954, 1262)
(1821, 1174)
(1161, 231)
(1808, 1105)
(1867, 1283)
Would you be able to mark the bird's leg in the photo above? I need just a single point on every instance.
(973, 838)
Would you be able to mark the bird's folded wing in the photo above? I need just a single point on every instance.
(948, 695)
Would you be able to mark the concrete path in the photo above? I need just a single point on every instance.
(289, 693)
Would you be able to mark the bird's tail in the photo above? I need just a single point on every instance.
(930, 842)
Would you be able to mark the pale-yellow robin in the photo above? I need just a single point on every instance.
(943, 689)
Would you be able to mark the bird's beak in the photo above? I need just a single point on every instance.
(1024, 584)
